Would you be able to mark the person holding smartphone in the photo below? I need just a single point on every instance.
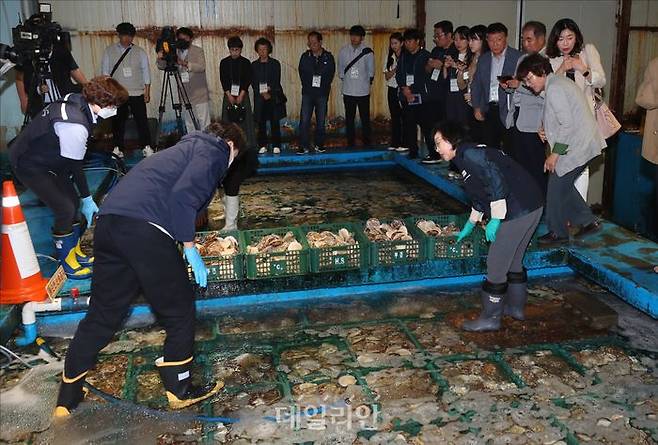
(457, 110)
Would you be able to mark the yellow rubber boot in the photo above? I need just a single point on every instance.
(71, 393)
(177, 381)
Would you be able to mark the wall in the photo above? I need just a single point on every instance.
(596, 20)
(10, 122)
(642, 47)
(284, 22)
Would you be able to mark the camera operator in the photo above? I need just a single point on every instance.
(62, 67)
(129, 64)
(191, 63)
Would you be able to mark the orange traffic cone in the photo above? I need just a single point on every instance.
(20, 276)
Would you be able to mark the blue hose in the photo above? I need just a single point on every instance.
(180, 416)
(29, 335)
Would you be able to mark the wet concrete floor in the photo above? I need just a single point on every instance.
(387, 369)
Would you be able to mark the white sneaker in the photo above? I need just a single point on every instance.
(147, 151)
(276, 150)
(392, 148)
(262, 150)
(401, 149)
(117, 152)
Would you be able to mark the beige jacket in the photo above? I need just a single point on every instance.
(590, 56)
(647, 97)
(197, 86)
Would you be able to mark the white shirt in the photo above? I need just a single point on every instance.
(73, 138)
(497, 64)
(392, 82)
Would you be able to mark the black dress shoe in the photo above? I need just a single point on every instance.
(430, 160)
(552, 239)
(589, 229)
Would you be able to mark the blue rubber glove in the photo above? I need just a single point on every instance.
(468, 228)
(193, 257)
(89, 209)
(492, 228)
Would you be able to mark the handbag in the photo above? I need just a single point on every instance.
(605, 119)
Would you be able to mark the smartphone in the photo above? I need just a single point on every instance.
(505, 78)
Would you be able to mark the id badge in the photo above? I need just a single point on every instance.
(435, 75)
(185, 76)
(465, 75)
(235, 90)
(316, 81)
(417, 99)
(454, 87)
(354, 73)
(262, 88)
(410, 79)
(127, 71)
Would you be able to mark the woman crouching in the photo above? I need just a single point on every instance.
(503, 192)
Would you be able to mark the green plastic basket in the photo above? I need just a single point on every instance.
(270, 265)
(230, 268)
(437, 247)
(391, 253)
(329, 259)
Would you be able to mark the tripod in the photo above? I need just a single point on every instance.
(183, 99)
(42, 74)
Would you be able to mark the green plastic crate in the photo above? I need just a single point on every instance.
(270, 265)
(329, 259)
(437, 247)
(224, 268)
(391, 253)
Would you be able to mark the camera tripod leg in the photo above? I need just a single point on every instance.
(161, 108)
(182, 92)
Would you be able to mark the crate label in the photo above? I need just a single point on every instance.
(400, 254)
(278, 267)
(340, 260)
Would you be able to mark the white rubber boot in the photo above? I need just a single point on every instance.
(231, 211)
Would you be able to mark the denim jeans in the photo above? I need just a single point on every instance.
(310, 103)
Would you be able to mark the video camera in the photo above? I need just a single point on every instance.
(33, 40)
(168, 44)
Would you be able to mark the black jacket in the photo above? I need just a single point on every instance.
(171, 187)
(61, 64)
(324, 65)
(36, 150)
(269, 73)
(491, 176)
(413, 64)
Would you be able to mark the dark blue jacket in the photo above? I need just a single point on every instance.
(438, 89)
(490, 176)
(171, 187)
(36, 150)
(309, 66)
(413, 64)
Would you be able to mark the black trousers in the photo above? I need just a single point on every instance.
(415, 116)
(529, 151)
(58, 193)
(493, 130)
(267, 114)
(137, 107)
(132, 255)
(351, 103)
(396, 117)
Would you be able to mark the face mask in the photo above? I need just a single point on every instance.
(183, 44)
(107, 112)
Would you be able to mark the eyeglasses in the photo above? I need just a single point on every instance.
(442, 34)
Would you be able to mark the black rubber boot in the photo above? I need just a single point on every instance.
(71, 393)
(517, 294)
(177, 381)
(492, 297)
